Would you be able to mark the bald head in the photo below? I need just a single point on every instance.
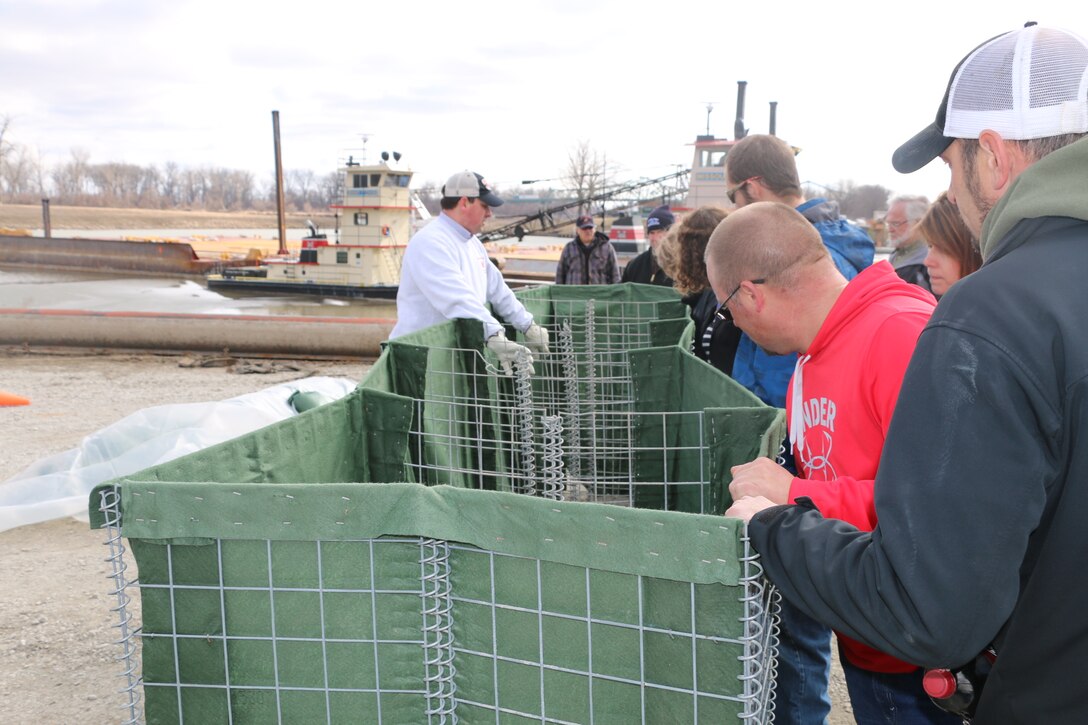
(768, 265)
(766, 240)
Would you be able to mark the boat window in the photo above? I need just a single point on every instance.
(714, 158)
(362, 219)
(400, 180)
(341, 257)
(375, 180)
(358, 181)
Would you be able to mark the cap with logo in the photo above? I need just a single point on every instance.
(660, 218)
(1025, 84)
(585, 222)
(471, 185)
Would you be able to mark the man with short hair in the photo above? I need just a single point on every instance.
(763, 168)
(908, 248)
(589, 258)
(759, 168)
(446, 273)
(854, 339)
(644, 268)
(981, 495)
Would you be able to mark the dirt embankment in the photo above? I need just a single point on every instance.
(29, 216)
(18, 217)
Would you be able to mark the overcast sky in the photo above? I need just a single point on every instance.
(506, 89)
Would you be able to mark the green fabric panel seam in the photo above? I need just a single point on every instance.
(659, 544)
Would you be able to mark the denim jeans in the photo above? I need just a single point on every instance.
(804, 668)
(884, 698)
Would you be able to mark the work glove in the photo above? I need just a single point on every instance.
(508, 352)
(536, 338)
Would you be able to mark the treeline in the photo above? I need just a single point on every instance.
(81, 183)
(25, 179)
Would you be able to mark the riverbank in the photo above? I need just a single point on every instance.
(29, 216)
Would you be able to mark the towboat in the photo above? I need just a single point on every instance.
(378, 211)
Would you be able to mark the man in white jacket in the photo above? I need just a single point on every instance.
(447, 274)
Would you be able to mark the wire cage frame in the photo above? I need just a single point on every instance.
(571, 427)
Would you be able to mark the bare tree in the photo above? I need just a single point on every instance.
(170, 185)
(5, 145)
(331, 188)
(862, 202)
(17, 174)
(71, 180)
(585, 173)
(299, 186)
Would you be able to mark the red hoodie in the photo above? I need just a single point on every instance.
(840, 403)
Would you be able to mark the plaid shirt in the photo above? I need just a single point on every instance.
(595, 264)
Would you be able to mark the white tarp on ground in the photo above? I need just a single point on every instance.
(58, 486)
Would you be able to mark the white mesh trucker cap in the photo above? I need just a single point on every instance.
(471, 185)
(1025, 84)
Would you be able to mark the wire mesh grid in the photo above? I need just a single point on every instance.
(407, 629)
(566, 427)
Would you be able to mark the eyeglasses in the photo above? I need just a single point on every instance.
(731, 194)
(896, 225)
(723, 313)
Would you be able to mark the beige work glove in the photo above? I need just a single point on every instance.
(509, 352)
(536, 338)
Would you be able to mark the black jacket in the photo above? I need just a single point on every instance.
(645, 270)
(715, 340)
(982, 492)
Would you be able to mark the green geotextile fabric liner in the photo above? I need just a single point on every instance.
(435, 365)
(360, 437)
(660, 544)
(736, 426)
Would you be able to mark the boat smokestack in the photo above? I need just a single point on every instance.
(774, 116)
(739, 131)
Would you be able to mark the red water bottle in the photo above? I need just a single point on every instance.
(958, 690)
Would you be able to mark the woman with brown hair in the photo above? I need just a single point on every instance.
(681, 257)
(953, 251)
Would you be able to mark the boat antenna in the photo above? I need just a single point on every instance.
(709, 108)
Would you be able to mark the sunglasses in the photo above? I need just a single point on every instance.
(723, 313)
(731, 194)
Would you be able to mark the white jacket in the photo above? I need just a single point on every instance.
(446, 273)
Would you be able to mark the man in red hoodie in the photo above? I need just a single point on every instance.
(854, 340)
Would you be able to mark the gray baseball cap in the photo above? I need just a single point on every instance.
(470, 185)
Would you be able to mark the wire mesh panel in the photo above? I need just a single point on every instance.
(424, 629)
(580, 426)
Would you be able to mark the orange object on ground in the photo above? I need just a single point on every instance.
(10, 399)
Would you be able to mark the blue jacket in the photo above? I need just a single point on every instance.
(852, 249)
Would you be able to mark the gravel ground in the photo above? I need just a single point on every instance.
(56, 640)
(57, 651)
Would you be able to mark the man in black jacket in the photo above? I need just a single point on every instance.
(644, 268)
(982, 492)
